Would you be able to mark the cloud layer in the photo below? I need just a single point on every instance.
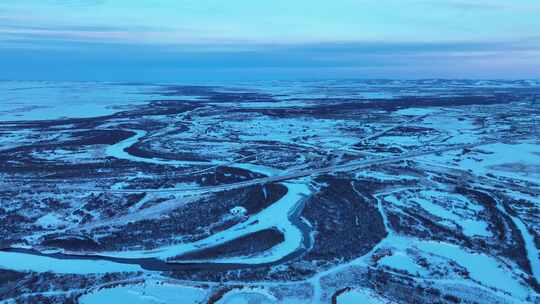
(279, 38)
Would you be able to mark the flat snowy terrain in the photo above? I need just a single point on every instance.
(270, 192)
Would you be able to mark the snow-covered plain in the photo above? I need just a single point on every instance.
(149, 292)
(35, 263)
(452, 226)
(53, 100)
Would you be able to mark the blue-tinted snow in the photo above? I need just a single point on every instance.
(53, 100)
(149, 292)
(358, 296)
(29, 262)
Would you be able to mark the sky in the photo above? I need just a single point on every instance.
(207, 40)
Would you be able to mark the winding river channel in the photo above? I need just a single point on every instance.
(282, 215)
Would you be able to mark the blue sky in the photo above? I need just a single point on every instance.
(181, 40)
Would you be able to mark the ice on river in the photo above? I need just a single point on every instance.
(28, 262)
